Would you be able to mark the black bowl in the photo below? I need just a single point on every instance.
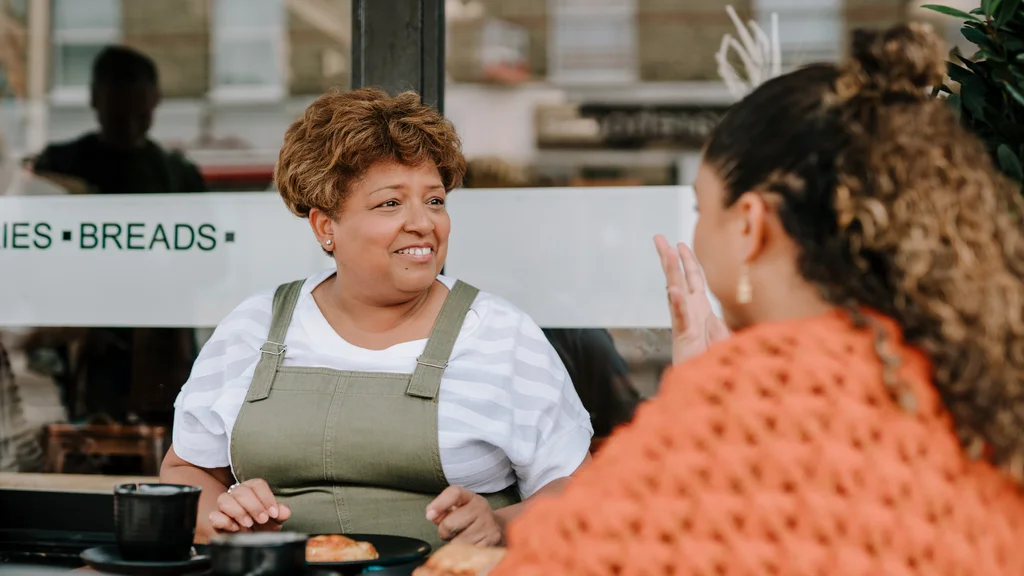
(263, 553)
(155, 522)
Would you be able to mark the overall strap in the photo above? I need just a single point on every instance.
(430, 366)
(272, 351)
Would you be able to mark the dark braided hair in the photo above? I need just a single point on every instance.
(897, 208)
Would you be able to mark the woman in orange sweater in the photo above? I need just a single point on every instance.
(867, 415)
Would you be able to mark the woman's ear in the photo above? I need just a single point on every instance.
(752, 211)
(323, 228)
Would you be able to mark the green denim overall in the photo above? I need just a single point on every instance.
(350, 452)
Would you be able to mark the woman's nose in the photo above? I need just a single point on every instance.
(418, 220)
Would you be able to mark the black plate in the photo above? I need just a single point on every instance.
(392, 550)
(108, 559)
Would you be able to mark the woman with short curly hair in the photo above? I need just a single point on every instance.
(867, 414)
(377, 396)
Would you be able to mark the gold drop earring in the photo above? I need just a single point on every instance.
(744, 291)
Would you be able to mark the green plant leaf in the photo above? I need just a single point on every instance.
(989, 7)
(950, 12)
(1006, 11)
(957, 73)
(973, 96)
(1012, 43)
(977, 37)
(1009, 162)
(1015, 93)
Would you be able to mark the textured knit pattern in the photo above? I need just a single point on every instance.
(780, 452)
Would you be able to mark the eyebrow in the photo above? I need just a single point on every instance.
(401, 186)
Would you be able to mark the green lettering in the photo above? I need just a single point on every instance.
(87, 231)
(159, 235)
(17, 234)
(133, 235)
(178, 228)
(43, 240)
(206, 232)
(108, 235)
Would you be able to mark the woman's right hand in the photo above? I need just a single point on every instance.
(249, 507)
(694, 324)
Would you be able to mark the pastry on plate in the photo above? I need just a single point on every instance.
(338, 548)
(461, 560)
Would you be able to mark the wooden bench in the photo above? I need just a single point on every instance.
(149, 443)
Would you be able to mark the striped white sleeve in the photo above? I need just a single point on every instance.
(552, 429)
(208, 404)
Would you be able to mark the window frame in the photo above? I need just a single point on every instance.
(76, 94)
(560, 50)
(797, 51)
(275, 34)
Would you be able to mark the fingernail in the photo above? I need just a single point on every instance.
(273, 511)
(431, 515)
(247, 522)
(263, 518)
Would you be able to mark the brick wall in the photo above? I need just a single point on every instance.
(319, 62)
(175, 33)
(678, 40)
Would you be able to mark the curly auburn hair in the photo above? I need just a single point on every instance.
(897, 208)
(341, 135)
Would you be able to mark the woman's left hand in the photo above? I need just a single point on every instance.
(462, 515)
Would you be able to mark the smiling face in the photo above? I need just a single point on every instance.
(390, 237)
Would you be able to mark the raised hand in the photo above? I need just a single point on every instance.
(694, 324)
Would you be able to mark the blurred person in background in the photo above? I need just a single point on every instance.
(866, 416)
(120, 158)
(126, 373)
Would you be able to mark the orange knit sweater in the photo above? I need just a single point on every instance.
(780, 452)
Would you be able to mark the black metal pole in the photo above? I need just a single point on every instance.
(399, 45)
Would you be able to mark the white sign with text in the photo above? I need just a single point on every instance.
(570, 257)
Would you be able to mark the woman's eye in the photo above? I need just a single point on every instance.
(389, 204)
(437, 201)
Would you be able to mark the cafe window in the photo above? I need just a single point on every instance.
(592, 42)
(249, 50)
(80, 30)
(809, 30)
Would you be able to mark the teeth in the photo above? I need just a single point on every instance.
(415, 251)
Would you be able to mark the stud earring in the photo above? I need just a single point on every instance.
(329, 242)
(744, 292)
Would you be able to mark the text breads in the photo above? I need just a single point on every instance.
(338, 548)
(460, 560)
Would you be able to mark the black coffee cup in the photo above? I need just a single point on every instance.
(262, 553)
(155, 522)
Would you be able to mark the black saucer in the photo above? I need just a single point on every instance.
(108, 559)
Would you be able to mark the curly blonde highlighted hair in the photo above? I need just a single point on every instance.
(342, 134)
(897, 208)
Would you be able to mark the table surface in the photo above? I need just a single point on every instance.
(88, 483)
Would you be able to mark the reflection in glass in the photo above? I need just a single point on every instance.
(80, 30)
(249, 37)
